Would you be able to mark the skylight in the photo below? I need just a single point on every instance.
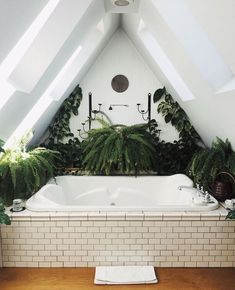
(18, 51)
(62, 76)
(15, 55)
(88, 46)
(195, 42)
(6, 91)
(42, 104)
(165, 64)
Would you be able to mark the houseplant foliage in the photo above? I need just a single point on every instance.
(23, 172)
(174, 157)
(207, 163)
(126, 149)
(1, 145)
(60, 137)
(4, 218)
(231, 215)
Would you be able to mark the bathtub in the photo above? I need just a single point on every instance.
(118, 193)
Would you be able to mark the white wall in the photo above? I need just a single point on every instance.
(121, 57)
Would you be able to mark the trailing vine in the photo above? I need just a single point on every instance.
(175, 157)
(59, 131)
(174, 114)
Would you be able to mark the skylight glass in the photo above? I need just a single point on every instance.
(42, 104)
(62, 74)
(18, 51)
(6, 91)
(165, 65)
(195, 41)
(15, 55)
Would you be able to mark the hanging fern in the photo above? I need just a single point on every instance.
(127, 149)
(22, 173)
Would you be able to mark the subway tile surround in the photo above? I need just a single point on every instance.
(92, 239)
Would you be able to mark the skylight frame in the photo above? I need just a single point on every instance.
(164, 63)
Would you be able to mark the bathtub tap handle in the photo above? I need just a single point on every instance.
(207, 197)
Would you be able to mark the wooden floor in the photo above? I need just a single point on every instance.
(82, 278)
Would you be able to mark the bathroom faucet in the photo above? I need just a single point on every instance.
(200, 191)
(185, 187)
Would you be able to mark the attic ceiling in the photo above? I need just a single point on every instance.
(48, 46)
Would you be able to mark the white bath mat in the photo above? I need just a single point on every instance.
(125, 275)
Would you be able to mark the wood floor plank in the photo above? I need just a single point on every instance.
(82, 279)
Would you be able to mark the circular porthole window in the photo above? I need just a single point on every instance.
(120, 83)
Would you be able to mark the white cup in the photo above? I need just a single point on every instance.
(17, 204)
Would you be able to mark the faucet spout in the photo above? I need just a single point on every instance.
(181, 187)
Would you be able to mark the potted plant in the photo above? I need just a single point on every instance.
(22, 172)
(215, 167)
(126, 149)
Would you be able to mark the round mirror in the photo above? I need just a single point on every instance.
(120, 83)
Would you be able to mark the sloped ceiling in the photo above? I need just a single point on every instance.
(193, 57)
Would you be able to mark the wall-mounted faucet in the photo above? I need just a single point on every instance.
(117, 105)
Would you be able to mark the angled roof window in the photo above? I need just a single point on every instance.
(164, 63)
(6, 91)
(42, 104)
(18, 51)
(196, 42)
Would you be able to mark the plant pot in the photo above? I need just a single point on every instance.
(223, 190)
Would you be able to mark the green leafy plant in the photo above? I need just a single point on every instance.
(22, 172)
(125, 149)
(208, 162)
(60, 136)
(70, 154)
(4, 218)
(174, 157)
(59, 129)
(231, 215)
(1, 145)
(174, 114)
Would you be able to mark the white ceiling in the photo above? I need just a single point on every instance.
(90, 25)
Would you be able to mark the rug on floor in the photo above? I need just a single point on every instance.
(125, 275)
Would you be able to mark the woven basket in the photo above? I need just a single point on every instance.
(223, 190)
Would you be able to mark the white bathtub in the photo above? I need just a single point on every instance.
(118, 193)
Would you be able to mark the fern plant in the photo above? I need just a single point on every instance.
(120, 148)
(208, 162)
(22, 173)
